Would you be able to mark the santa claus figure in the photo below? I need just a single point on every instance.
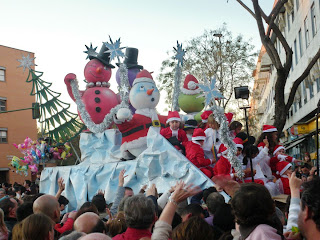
(144, 97)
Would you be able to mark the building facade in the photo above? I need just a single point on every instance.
(300, 24)
(14, 126)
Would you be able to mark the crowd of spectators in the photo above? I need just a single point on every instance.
(183, 212)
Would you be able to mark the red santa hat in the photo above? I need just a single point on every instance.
(229, 117)
(269, 128)
(143, 76)
(205, 115)
(222, 150)
(198, 134)
(277, 148)
(282, 166)
(190, 85)
(173, 116)
(238, 142)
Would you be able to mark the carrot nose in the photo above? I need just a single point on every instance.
(149, 91)
(98, 70)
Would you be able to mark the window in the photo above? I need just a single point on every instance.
(304, 90)
(300, 43)
(2, 74)
(279, 46)
(306, 32)
(3, 135)
(295, 51)
(318, 84)
(3, 104)
(313, 21)
(292, 15)
(297, 4)
(288, 18)
(295, 106)
(311, 89)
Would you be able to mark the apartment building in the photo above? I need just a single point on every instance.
(300, 24)
(14, 126)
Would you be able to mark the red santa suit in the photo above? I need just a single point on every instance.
(134, 132)
(179, 134)
(278, 158)
(194, 152)
(223, 167)
(282, 167)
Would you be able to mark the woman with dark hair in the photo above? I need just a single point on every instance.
(38, 226)
(270, 133)
(253, 208)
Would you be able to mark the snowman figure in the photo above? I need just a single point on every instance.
(97, 98)
(189, 100)
(144, 97)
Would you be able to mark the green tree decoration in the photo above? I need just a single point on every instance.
(56, 121)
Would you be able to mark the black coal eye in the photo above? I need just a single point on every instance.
(141, 87)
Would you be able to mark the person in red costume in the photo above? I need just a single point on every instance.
(195, 154)
(223, 166)
(284, 171)
(173, 132)
(279, 154)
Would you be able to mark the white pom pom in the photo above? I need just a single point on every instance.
(192, 85)
(123, 114)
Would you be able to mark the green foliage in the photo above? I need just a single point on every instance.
(57, 122)
(231, 60)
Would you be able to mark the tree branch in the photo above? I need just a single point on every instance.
(297, 82)
(246, 7)
(275, 12)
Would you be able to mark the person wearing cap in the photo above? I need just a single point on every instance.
(223, 166)
(204, 119)
(271, 133)
(173, 130)
(194, 152)
(279, 154)
(284, 170)
(189, 127)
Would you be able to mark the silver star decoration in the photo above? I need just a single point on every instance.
(26, 62)
(114, 49)
(210, 92)
(90, 51)
(180, 53)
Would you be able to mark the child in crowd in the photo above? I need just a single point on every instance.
(195, 154)
(189, 127)
(235, 128)
(279, 154)
(204, 119)
(173, 132)
(212, 142)
(283, 170)
(223, 166)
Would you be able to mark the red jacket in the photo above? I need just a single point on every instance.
(66, 226)
(138, 127)
(133, 234)
(167, 133)
(286, 186)
(195, 154)
(222, 167)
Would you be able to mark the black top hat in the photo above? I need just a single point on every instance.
(103, 56)
(131, 58)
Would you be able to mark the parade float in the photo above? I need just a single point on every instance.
(135, 144)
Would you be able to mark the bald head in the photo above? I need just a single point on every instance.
(89, 222)
(95, 236)
(47, 205)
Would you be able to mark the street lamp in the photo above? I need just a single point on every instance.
(219, 35)
(243, 93)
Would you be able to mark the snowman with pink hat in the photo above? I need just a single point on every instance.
(144, 97)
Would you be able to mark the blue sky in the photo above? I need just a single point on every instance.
(56, 31)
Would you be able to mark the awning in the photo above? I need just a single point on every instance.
(295, 143)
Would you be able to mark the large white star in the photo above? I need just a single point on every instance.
(26, 62)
